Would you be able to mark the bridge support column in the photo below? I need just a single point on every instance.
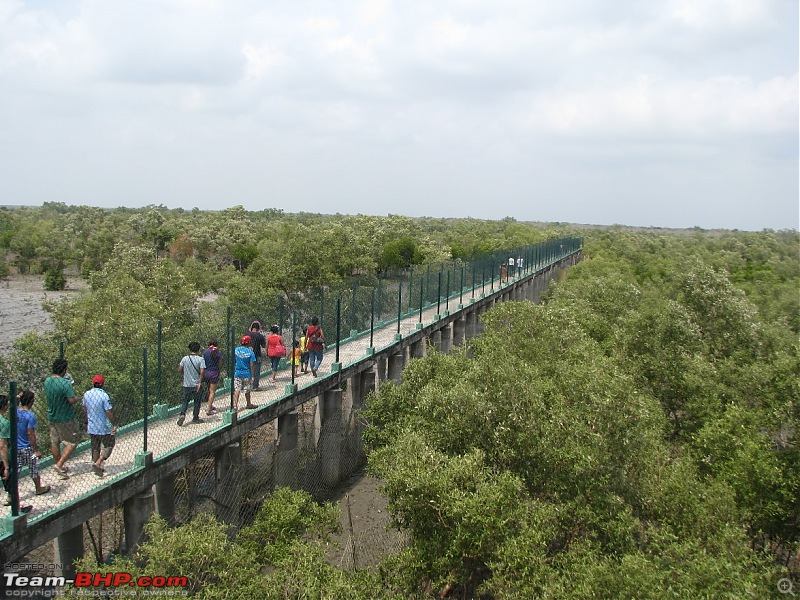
(330, 437)
(459, 327)
(66, 548)
(472, 319)
(227, 472)
(136, 511)
(355, 426)
(395, 368)
(285, 457)
(478, 322)
(446, 338)
(537, 288)
(417, 349)
(165, 498)
(436, 340)
(380, 368)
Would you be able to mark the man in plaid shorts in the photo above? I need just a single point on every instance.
(28, 453)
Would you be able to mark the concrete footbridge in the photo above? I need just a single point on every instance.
(319, 413)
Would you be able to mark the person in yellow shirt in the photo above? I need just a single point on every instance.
(297, 354)
(304, 351)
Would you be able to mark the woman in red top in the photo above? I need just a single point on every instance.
(316, 345)
(275, 350)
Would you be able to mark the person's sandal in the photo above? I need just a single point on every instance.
(43, 490)
(61, 472)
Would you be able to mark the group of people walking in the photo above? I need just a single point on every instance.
(64, 432)
(201, 372)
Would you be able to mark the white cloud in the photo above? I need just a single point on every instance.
(375, 101)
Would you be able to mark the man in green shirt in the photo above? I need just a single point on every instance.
(63, 425)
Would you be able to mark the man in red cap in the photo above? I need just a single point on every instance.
(244, 372)
(100, 423)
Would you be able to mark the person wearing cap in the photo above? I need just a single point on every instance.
(63, 426)
(100, 423)
(244, 372)
(5, 442)
(257, 342)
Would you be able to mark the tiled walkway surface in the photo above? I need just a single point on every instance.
(164, 435)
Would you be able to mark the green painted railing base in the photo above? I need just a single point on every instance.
(13, 525)
(143, 459)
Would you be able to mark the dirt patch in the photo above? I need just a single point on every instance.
(367, 533)
(21, 311)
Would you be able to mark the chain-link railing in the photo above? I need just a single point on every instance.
(146, 419)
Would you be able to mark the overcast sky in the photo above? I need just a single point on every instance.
(670, 113)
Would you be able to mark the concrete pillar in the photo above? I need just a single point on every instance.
(446, 338)
(136, 511)
(537, 285)
(66, 548)
(459, 327)
(367, 385)
(380, 368)
(353, 396)
(436, 339)
(285, 457)
(478, 323)
(417, 349)
(165, 498)
(228, 475)
(395, 367)
(472, 317)
(329, 446)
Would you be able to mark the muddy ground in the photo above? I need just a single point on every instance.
(21, 311)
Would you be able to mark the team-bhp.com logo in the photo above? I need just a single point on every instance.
(18, 585)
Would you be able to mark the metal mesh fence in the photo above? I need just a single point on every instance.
(148, 399)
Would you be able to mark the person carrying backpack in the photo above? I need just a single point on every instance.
(316, 345)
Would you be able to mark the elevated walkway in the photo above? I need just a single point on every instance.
(132, 473)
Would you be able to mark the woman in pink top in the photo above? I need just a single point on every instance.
(275, 350)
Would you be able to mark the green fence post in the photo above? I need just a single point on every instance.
(12, 468)
(372, 318)
(158, 365)
(353, 310)
(144, 392)
(338, 325)
(380, 295)
(399, 299)
(232, 346)
(439, 295)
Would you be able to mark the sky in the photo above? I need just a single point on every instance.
(662, 113)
